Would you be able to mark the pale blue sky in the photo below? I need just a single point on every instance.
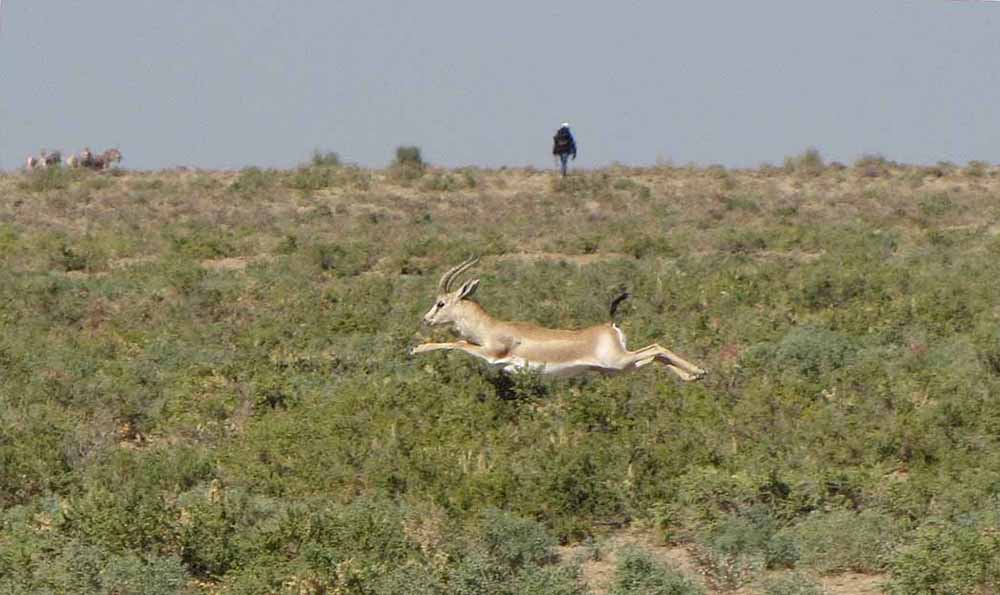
(219, 84)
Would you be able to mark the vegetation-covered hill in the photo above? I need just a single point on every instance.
(205, 383)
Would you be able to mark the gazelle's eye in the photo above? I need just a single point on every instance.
(440, 304)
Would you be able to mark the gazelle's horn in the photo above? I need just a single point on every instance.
(445, 283)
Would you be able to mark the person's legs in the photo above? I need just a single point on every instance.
(563, 158)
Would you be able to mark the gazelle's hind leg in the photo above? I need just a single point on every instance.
(655, 352)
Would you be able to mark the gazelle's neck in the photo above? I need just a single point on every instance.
(473, 322)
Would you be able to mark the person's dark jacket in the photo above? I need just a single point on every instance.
(563, 143)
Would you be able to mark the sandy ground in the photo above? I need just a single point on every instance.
(597, 571)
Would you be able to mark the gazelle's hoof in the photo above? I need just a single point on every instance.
(696, 375)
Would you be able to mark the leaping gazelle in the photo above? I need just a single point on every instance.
(519, 345)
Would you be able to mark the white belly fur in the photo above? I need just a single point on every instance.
(517, 364)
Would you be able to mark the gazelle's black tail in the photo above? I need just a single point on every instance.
(615, 303)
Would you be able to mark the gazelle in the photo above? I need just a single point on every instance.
(520, 345)
(45, 159)
(106, 159)
(51, 158)
(82, 159)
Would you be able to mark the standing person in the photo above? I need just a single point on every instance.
(563, 145)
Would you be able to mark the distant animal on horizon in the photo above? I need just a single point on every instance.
(514, 346)
(51, 158)
(87, 159)
(82, 159)
(106, 159)
(45, 159)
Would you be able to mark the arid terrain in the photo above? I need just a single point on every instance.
(206, 386)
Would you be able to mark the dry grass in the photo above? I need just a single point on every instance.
(528, 208)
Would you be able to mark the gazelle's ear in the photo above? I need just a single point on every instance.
(468, 288)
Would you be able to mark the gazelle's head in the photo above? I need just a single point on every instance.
(443, 311)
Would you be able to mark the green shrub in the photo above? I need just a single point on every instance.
(513, 541)
(936, 205)
(200, 242)
(34, 455)
(478, 574)
(947, 558)
(736, 534)
(75, 567)
(809, 351)
(314, 177)
(977, 169)
(253, 180)
(443, 182)
(844, 541)
(418, 580)
(153, 575)
(325, 170)
(752, 533)
(207, 537)
(873, 166)
(709, 493)
(471, 177)
(728, 571)
(549, 580)
(325, 159)
(124, 504)
(409, 156)
(47, 179)
(408, 165)
(809, 162)
(637, 573)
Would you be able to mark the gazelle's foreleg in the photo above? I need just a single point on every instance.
(655, 352)
(470, 348)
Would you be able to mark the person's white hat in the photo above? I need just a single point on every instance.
(564, 125)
